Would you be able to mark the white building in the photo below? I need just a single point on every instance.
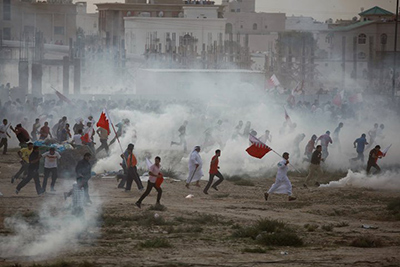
(88, 22)
(199, 24)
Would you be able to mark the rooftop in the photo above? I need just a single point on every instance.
(376, 11)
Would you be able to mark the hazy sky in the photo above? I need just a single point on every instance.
(319, 9)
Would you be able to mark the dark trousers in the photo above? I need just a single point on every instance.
(133, 176)
(221, 178)
(123, 180)
(4, 142)
(47, 172)
(32, 173)
(104, 145)
(150, 186)
(85, 184)
(372, 164)
(23, 169)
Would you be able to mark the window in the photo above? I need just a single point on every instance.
(238, 10)
(6, 9)
(328, 39)
(384, 38)
(361, 55)
(255, 26)
(362, 39)
(58, 30)
(241, 26)
(6, 33)
(232, 10)
(228, 28)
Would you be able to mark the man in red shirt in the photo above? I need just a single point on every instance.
(214, 172)
(374, 155)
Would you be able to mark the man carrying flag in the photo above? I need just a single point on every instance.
(282, 184)
(103, 131)
(374, 155)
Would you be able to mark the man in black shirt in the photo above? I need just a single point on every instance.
(33, 172)
(315, 167)
(84, 173)
(374, 155)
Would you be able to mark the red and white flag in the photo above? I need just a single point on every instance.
(385, 151)
(86, 138)
(338, 99)
(104, 121)
(273, 81)
(257, 149)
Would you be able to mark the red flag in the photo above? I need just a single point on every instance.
(338, 99)
(62, 97)
(385, 151)
(298, 89)
(86, 138)
(104, 122)
(257, 149)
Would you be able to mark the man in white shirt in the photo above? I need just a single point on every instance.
(77, 139)
(3, 136)
(154, 174)
(50, 166)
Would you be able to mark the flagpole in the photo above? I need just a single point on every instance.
(115, 132)
(289, 162)
(273, 151)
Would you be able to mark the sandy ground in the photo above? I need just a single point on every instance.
(197, 239)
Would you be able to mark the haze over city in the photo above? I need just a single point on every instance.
(320, 10)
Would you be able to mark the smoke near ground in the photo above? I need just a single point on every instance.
(50, 231)
(388, 180)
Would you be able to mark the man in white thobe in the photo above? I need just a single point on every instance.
(195, 167)
(282, 184)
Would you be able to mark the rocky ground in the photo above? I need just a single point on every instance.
(232, 227)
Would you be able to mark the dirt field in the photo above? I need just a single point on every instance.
(323, 227)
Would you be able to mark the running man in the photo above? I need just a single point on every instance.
(154, 174)
(214, 172)
(282, 183)
(182, 139)
(374, 155)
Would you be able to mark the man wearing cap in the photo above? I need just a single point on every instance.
(325, 140)
(50, 166)
(195, 167)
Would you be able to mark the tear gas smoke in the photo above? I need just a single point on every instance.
(54, 230)
(388, 180)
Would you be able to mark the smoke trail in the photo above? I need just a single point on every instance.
(388, 180)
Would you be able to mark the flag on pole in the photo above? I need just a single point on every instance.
(287, 118)
(385, 151)
(298, 89)
(104, 121)
(62, 97)
(257, 149)
(86, 138)
(273, 81)
(338, 99)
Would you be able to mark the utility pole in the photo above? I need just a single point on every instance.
(395, 53)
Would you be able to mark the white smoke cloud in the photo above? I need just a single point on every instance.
(388, 180)
(55, 230)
